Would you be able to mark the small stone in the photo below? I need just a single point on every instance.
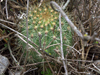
(4, 63)
(14, 72)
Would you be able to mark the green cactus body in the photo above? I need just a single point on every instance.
(45, 21)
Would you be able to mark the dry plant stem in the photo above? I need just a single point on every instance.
(26, 33)
(79, 13)
(66, 4)
(16, 6)
(6, 9)
(8, 22)
(82, 49)
(72, 67)
(34, 64)
(43, 52)
(3, 49)
(21, 56)
(50, 43)
(82, 28)
(90, 22)
(83, 73)
(22, 2)
(83, 55)
(89, 38)
(59, 70)
(3, 37)
(93, 69)
(88, 52)
(15, 1)
(34, 1)
(73, 48)
(17, 63)
(26, 38)
(40, 3)
(67, 19)
(96, 67)
(62, 54)
(90, 19)
(28, 44)
(51, 46)
(56, 60)
(79, 60)
(29, 70)
(40, 48)
(50, 67)
(57, 52)
(4, 26)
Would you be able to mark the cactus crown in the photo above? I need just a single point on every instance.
(44, 21)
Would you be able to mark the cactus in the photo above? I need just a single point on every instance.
(44, 21)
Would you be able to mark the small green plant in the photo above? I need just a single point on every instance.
(96, 42)
(44, 21)
(11, 10)
(5, 45)
(3, 32)
(6, 39)
(48, 72)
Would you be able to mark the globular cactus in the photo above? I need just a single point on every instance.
(45, 21)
